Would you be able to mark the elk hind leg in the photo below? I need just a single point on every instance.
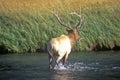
(50, 62)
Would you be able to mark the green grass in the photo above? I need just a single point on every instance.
(27, 32)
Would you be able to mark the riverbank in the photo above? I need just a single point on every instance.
(26, 26)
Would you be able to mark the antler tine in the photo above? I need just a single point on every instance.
(61, 21)
(80, 22)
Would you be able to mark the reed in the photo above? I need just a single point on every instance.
(27, 25)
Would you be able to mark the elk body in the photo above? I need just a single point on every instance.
(60, 47)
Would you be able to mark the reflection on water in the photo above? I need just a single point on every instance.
(61, 75)
(82, 66)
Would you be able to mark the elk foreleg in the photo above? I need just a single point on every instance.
(65, 59)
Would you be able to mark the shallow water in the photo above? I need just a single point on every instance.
(81, 66)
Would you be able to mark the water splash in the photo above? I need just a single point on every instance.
(77, 66)
(84, 66)
(61, 67)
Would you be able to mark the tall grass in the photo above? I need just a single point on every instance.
(27, 25)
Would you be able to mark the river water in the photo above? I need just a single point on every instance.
(81, 66)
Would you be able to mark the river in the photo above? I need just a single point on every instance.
(102, 65)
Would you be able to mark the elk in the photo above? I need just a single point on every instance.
(60, 47)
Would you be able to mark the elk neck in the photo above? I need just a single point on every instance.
(72, 38)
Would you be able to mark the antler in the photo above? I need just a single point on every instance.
(61, 21)
(80, 21)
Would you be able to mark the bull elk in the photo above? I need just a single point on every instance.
(60, 47)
